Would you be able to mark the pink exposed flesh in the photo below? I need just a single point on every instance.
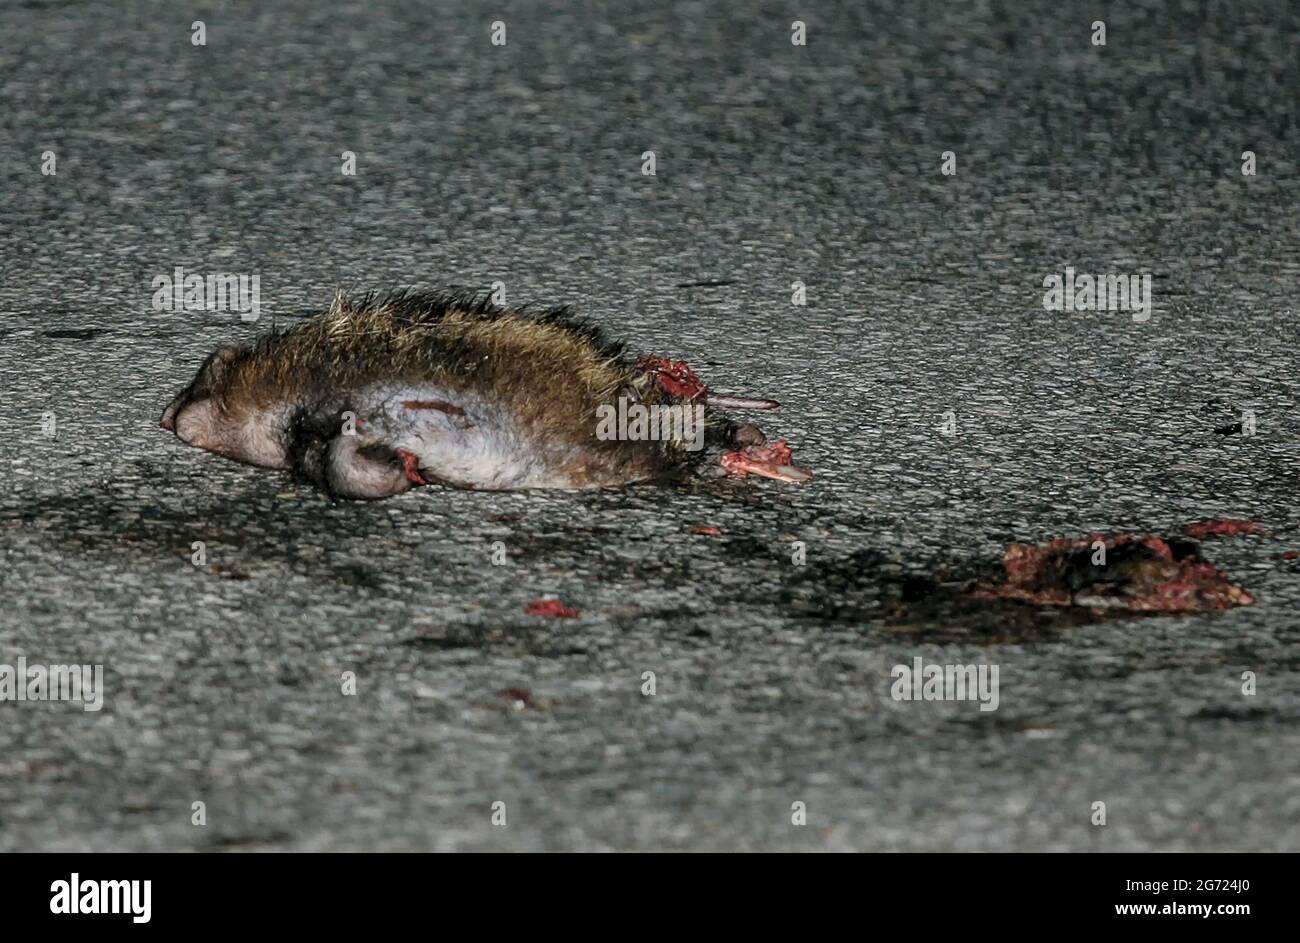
(770, 461)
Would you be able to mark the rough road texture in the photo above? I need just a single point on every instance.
(775, 163)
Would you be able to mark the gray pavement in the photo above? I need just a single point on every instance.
(775, 163)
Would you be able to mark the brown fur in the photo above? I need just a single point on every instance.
(547, 369)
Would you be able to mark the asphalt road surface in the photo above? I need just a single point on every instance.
(774, 163)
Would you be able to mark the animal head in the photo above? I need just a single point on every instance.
(219, 412)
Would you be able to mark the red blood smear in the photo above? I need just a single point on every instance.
(1222, 528)
(1161, 583)
(673, 377)
(1024, 563)
(552, 608)
(707, 531)
(411, 467)
(520, 695)
(1291, 555)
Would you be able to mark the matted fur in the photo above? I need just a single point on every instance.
(537, 374)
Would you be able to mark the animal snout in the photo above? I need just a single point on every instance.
(192, 425)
